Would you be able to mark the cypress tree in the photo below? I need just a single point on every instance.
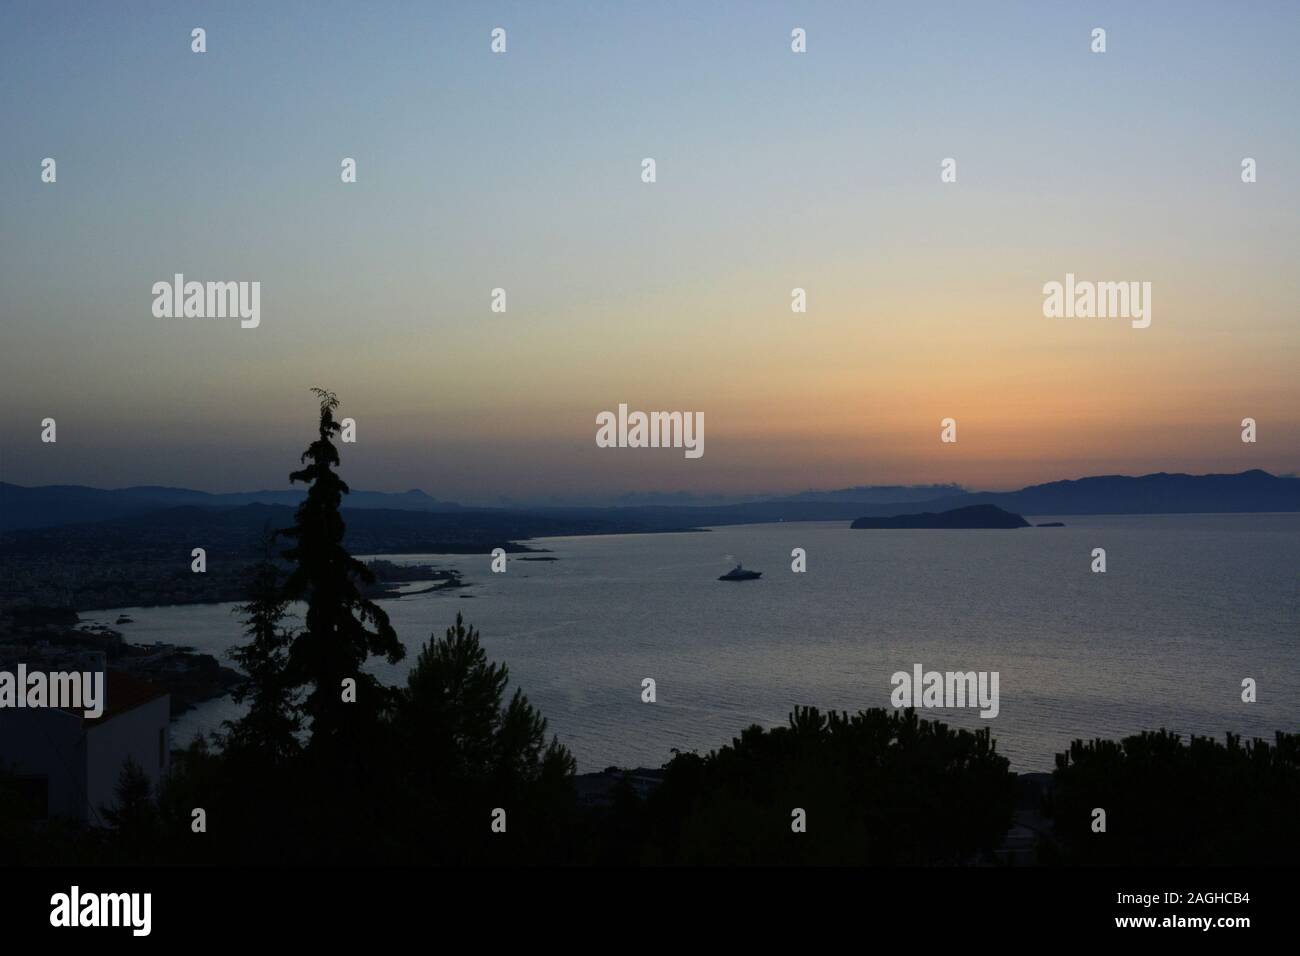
(342, 628)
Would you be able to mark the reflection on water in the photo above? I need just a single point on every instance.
(1188, 607)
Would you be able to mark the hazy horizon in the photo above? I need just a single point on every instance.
(874, 493)
(522, 171)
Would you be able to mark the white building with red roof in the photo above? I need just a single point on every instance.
(69, 764)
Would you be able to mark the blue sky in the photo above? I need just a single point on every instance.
(521, 171)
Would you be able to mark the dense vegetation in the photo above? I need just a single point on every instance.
(1170, 803)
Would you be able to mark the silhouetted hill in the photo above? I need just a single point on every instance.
(52, 505)
(973, 516)
(1249, 491)
(879, 494)
(1161, 493)
(236, 531)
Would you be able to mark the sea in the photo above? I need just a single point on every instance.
(1188, 608)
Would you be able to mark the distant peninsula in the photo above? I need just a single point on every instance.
(972, 516)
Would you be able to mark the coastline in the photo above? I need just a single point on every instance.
(59, 639)
(542, 619)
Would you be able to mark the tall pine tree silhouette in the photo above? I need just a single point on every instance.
(342, 628)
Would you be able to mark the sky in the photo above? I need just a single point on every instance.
(523, 171)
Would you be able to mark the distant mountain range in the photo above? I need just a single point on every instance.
(52, 505)
(1161, 493)
(881, 494)
(1250, 491)
(691, 499)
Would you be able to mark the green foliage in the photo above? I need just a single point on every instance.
(878, 787)
(133, 814)
(453, 707)
(257, 812)
(467, 751)
(268, 732)
(1174, 803)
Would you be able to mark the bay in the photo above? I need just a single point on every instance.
(1188, 607)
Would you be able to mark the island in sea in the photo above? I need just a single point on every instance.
(972, 516)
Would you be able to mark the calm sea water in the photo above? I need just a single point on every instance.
(1189, 606)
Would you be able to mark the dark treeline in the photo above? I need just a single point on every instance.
(1201, 802)
(329, 765)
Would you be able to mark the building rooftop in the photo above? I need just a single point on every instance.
(123, 693)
